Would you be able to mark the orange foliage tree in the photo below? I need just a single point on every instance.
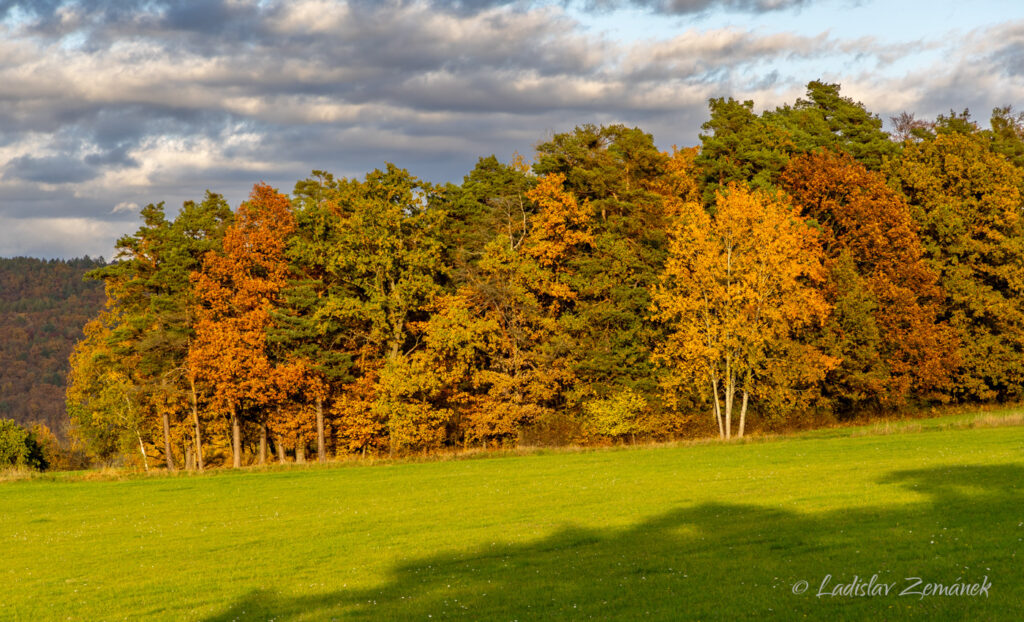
(235, 292)
(887, 301)
(558, 229)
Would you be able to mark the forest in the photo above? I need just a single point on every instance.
(43, 306)
(799, 263)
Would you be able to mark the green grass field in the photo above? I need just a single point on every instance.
(708, 531)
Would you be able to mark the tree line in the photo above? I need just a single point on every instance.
(800, 260)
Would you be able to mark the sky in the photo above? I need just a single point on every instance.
(108, 106)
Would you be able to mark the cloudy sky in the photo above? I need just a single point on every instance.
(106, 106)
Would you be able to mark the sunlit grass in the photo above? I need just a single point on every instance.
(709, 531)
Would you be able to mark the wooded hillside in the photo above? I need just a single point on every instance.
(44, 304)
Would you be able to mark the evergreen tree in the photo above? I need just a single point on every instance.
(614, 171)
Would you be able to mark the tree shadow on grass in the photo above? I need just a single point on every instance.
(719, 562)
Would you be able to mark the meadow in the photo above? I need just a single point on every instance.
(701, 531)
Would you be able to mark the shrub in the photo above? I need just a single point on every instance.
(19, 447)
(618, 416)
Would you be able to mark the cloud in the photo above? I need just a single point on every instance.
(51, 238)
(692, 7)
(666, 7)
(1008, 55)
(49, 169)
(107, 105)
(978, 71)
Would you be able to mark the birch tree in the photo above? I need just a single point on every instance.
(736, 286)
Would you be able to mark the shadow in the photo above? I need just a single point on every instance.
(719, 562)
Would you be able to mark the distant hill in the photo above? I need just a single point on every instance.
(44, 305)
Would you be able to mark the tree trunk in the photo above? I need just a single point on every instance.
(189, 460)
(168, 454)
(300, 452)
(743, 413)
(263, 443)
(730, 391)
(280, 450)
(743, 410)
(142, 448)
(195, 422)
(236, 440)
(718, 408)
(321, 451)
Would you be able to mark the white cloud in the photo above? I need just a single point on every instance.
(60, 237)
(102, 108)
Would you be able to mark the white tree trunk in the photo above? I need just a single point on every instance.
(142, 448)
(730, 391)
(718, 408)
(743, 413)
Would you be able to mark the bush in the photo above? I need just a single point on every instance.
(618, 416)
(552, 428)
(19, 447)
(58, 456)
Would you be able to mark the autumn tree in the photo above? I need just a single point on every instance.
(103, 402)
(885, 326)
(302, 334)
(677, 185)
(466, 356)
(499, 356)
(966, 201)
(149, 291)
(735, 288)
(236, 290)
(385, 265)
(133, 285)
(496, 346)
(198, 229)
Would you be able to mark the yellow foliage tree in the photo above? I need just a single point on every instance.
(736, 286)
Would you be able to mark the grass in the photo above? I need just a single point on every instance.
(697, 531)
